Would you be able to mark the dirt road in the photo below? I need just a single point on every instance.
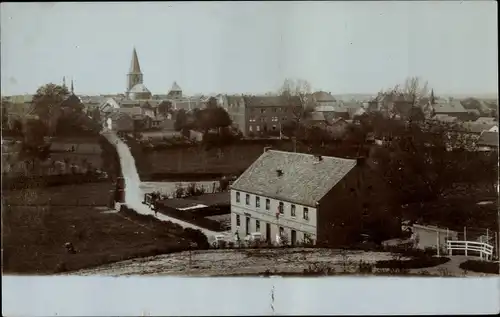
(133, 192)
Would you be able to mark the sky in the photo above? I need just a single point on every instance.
(251, 47)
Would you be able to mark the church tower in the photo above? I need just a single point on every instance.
(134, 75)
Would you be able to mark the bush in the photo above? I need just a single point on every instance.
(198, 237)
(407, 250)
(415, 263)
(364, 267)
(480, 266)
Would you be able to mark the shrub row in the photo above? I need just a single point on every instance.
(415, 263)
(480, 266)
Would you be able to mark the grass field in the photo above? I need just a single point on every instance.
(34, 238)
(91, 194)
(231, 159)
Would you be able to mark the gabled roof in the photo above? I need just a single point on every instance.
(444, 118)
(272, 101)
(108, 105)
(304, 180)
(477, 127)
(453, 106)
(486, 120)
(488, 138)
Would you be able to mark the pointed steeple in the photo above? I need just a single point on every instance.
(64, 81)
(72, 87)
(134, 65)
(432, 99)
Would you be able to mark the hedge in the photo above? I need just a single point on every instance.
(415, 263)
(480, 266)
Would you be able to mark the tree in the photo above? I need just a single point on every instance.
(212, 118)
(413, 91)
(96, 115)
(34, 147)
(212, 103)
(180, 120)
(421, 160)
(165, 107)
(47, 101)
(5, 118)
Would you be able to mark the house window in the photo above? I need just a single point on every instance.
(275, 109)
(237, 197)
(247, 199)
(252, 119)
(237, 220)
(257, 201)
(262, 110)
(258, 128)
(292, 211)
(263, 119)
(274, 127)
(257, 225)
(268, 204)
(306, 213)
(250, 128)
(284, 118)
(281, 208)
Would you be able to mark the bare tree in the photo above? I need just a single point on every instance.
(297, 87)
(414, 90)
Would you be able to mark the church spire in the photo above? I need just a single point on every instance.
(433, 100)
(72, 87)
(134, 65)
(64, 82)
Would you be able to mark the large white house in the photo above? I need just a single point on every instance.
(281, 193)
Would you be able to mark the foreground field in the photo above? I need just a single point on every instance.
(34, 238)
(258, 262)
(91, 194)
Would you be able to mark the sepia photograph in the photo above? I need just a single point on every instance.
(303, 140)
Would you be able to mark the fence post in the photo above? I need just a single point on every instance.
(497, 243)
(465, 239)
(438, 246)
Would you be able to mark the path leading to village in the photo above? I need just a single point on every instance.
(134, 194)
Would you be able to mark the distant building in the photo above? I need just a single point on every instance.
(488, 141)
(140, 104)
(452, 108)
(330, 107)
(307, 198)
(261, 115)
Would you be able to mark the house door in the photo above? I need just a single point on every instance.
(268, 232)
(294, 237)
(247, 226)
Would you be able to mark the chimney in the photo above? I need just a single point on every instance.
(279, 172)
